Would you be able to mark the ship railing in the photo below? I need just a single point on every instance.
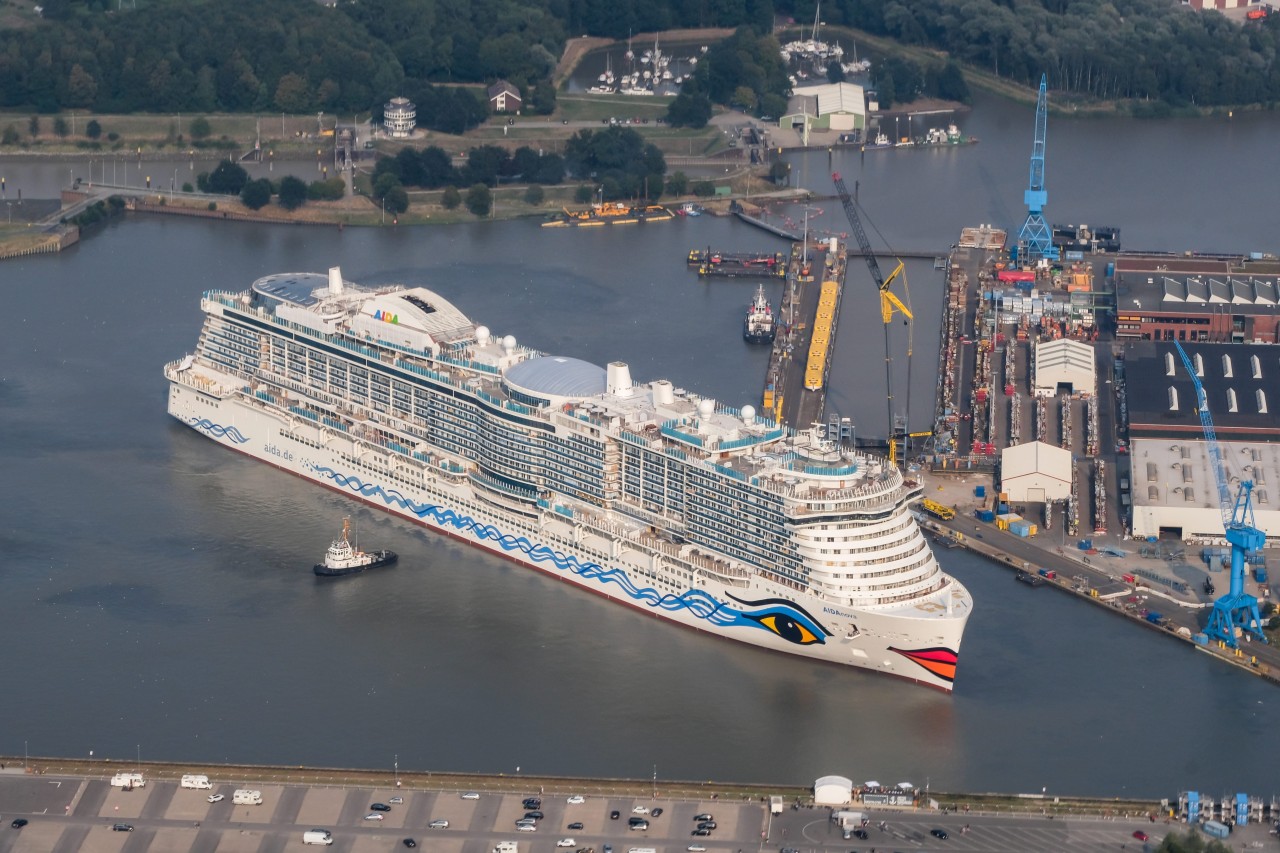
(494, 484)
(669, 430)
(727, 471)
(826, 471)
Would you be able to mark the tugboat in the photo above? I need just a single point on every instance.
(759, 326)
(343, 558)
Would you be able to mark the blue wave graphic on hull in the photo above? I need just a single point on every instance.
(217, 430)
(779, 617)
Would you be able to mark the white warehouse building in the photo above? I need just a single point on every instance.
(1035, 472)
(1175, 492)
(1065, 366)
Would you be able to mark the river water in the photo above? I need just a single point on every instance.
(156, 593)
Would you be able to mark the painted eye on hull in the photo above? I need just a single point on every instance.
(785, 619)
(785, 627)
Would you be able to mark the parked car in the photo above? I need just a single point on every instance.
(373, 816)
(1140, 835)
(939, 833)
(380, 807)
(615, 814)
(701, 833)
(531, 803)
(216, 798)
(396, 801)
(566, 842)
(576, 800)
(439, 824)
(655, 812)
(534, 815)
(702, 817)
(470, 795)
(409, 842)
(18, 822)
(707, 824)
(122, 827)
(576, 825)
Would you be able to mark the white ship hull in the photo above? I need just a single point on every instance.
(921, 647)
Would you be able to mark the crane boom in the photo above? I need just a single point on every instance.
(1237, 609)
(889, 303)
(1225, 503)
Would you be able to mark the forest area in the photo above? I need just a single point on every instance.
(301, 56)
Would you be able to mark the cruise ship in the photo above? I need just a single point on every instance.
(682, 507)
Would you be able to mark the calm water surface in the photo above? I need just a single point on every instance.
(156, 595)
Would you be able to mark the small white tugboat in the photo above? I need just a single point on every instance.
(343, 558)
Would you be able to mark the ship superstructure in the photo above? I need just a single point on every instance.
(691, 510)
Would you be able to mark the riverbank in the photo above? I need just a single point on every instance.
(426, 780)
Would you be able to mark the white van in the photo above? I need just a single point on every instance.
(246, 797)
(128, 780)
(506, 847)
(201, 782)
(317, 836)
(642, 850)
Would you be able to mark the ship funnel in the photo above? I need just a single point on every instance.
(618, 379)
(663, 393)
(335, 281)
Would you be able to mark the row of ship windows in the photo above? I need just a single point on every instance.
(868, 561)
(876, 562)
(895, 545)
(904, 523)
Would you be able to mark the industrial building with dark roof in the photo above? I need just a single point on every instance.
(1241, 384)
(1211, 299)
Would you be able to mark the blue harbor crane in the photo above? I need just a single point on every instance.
(1035, 240)
(1237, 608)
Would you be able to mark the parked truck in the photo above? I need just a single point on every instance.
(775, 805)
(937, 510)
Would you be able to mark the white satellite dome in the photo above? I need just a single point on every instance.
(509, 343)
(482, 335)
(706, 408)
(749, 414)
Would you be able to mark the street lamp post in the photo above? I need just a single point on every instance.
(397, 769)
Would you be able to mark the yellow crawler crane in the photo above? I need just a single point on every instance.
(890, 304)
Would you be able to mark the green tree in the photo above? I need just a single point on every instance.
(779, 171)
(256, 194)
(689, 110)
(835, 72)
(61, 127)
(384, 183)
(293, 192)
(451, 198)
(10, 136)
(93, 130)
(332, 189)
(33, 126)
(293, 94)
(534, 195)
(1190, 842)
(81, 87)
(396, 200)
(703, 189)
(677, 184)
(227, 178)
(744, 98)
(200, 128)
(584, 194)
(479, 200)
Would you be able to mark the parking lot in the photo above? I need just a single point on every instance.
(77, 815)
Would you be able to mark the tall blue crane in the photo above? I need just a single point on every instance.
(1035, 240)
(1237, 608)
